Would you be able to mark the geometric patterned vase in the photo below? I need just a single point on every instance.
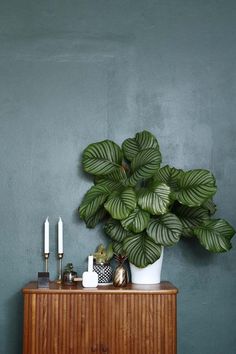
(104, 272)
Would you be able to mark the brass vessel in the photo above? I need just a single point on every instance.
(120, 275)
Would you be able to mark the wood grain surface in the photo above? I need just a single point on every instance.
(74, 320)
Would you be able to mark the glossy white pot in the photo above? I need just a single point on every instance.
(148, 275)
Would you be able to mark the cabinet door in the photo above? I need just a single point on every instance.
(61, 324)
(138, 324)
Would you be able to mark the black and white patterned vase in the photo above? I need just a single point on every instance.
(104, 272)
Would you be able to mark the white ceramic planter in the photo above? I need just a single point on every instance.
(148, 275)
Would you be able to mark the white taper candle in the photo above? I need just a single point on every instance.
(46, 236)
(60, 236)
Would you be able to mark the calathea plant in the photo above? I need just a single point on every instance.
(145, 206)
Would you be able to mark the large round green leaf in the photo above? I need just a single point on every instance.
(155, 198)
(166, 230)
(141, 141)
(120, 203)
(102, 158)
(109, 184)
(115, 230)
(169, 175)
(117, 248)
(141, 250)
(93, 200)
(215, 235)
(136, 221)
(92, 220)
(118, 176)
(195, 187)
(144, 165)
(210, 206)
(190, 217)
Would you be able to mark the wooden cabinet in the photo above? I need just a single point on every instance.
(137, 319)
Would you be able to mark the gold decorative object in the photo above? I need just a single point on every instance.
(120, 276)
(59, 278)
(46, 256)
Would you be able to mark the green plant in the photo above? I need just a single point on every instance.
(103, 255)
(69, 267)
(146, 206)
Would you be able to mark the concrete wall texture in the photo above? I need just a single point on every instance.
(76, 72)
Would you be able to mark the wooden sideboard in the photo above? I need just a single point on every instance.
(137, 319)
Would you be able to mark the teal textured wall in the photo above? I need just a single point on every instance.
(76, 72)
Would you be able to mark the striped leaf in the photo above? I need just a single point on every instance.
(190, 217)
(155, 199)
(93, 200)
(136, 221)
(115, 230)
(195, 187)
(94, 219)
(120, 204)
(102, 158)
(109, 184)
(215, 235)
(166, 230)
(141, 141)
(117, 248)
(144, 165)
(169, 175)
(141, 249)
(118, 176)
(210, 206)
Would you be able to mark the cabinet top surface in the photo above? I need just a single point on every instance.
(162, 288)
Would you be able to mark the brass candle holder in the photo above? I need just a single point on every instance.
(46, 256)
(59, 278)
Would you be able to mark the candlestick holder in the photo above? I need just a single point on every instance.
(59, 278)
(46, 256)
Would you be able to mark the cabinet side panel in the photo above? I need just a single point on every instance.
(26, 329)
(33, 320)
(174, 323)
(30, 320)
(169, 324)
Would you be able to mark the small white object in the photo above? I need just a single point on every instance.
(90, 280)
(90, 263)
(46, 236)
(148, 275)
(60, 236)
